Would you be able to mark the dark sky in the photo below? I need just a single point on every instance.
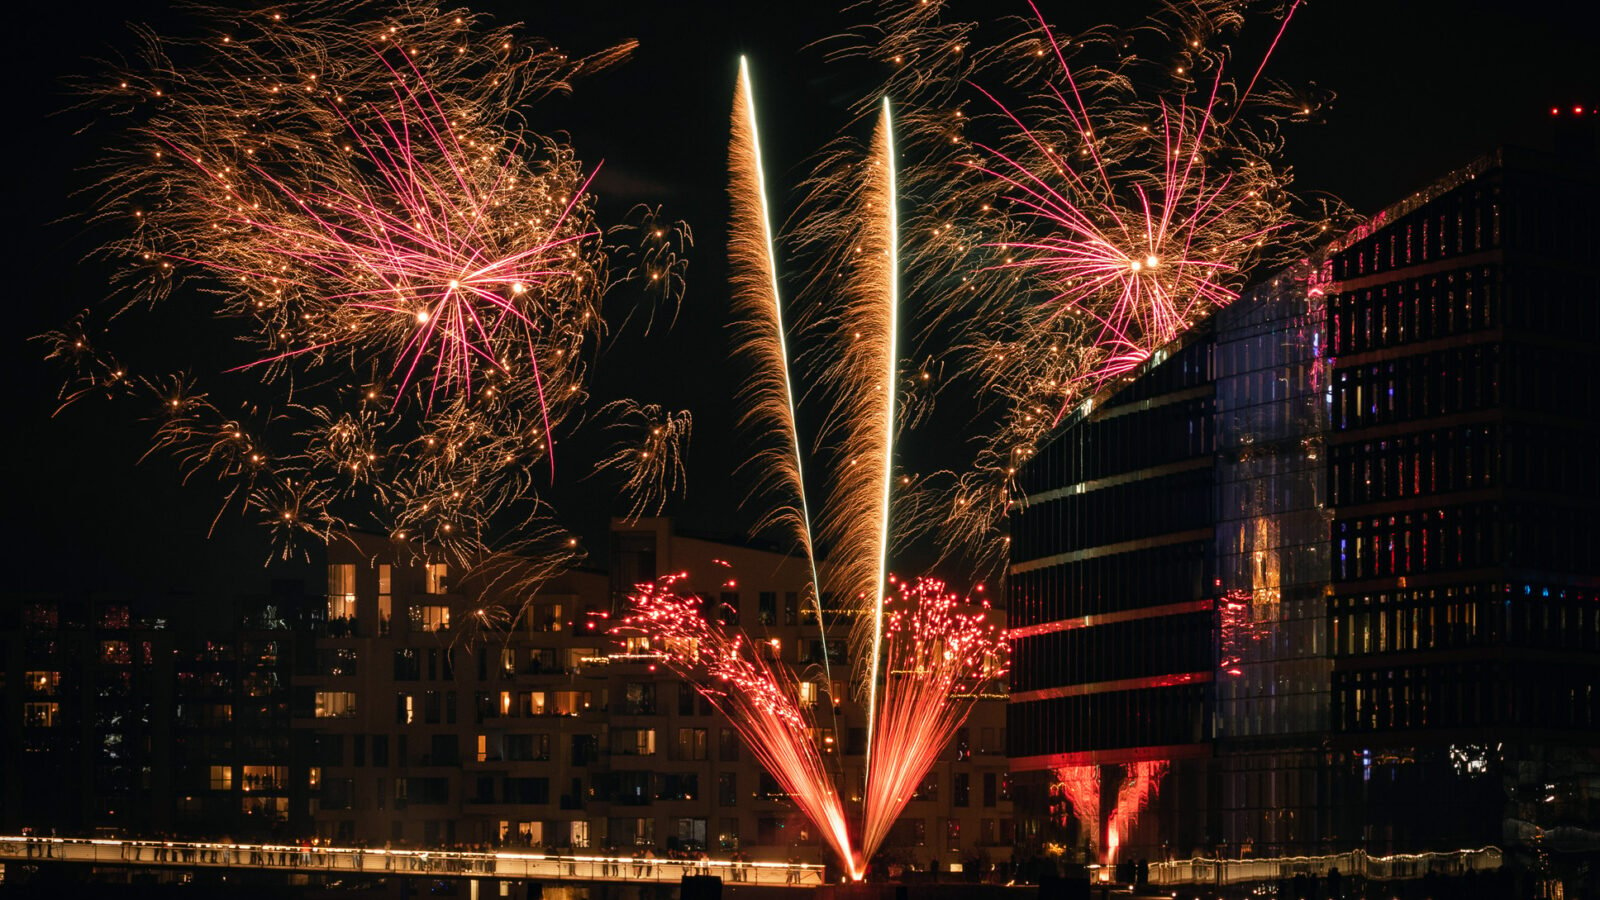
(1422, 87)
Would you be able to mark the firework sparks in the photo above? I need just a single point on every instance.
(768, 398)
(1089, 198)
(861, 381)
(414, 277)
(758, 698)
(652, 461)
(939, 658)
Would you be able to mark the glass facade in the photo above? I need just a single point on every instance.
(1323, 576)
(1111, 601)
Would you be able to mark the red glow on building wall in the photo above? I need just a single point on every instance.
(1077, 792)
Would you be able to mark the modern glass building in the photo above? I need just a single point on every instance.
(1325, 574)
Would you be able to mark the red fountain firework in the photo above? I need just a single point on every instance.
(758, 698)
(940, 655)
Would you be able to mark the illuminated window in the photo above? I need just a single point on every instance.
(508, 662)
(405, 709)
(336, 704)
(579, 837)
(550, 617)
(385, 597)
(222, 778)
(569, 703)
(483, 748)
(40, 715)
(635, 741)
(115, 652)
(435, 578)
(692, 743)
(341, 592)
(264, 778)
(314, 777)
(531, 832)
(808, 694)
(430, 618)
(635, 644)
(43, 682)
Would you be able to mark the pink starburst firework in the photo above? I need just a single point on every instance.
(1083, 200)
(389, 287)
(427, 237)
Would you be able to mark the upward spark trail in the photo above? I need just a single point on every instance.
(885, 137)
(758, 309)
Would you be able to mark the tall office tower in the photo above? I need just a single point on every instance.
(1463, 482)
(1325, 574)
(1111, 602)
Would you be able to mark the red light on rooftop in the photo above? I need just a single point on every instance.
(1577, 110)
(1555, 110)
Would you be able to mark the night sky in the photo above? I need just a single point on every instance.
(1422, 87)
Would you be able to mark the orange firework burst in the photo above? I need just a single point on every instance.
(1084, 200)
(410, 278)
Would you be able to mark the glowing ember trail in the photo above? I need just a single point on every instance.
(768, 398)
(861, 380)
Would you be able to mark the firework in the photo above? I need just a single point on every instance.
(939, 659)
(653, 459)
(758, 698)
(930, 659)
(860, 381)
(403, 279)
(768, 397)
(1082, 201)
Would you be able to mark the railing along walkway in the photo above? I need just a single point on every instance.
(442, 863)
